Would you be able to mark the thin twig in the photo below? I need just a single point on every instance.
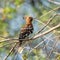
(5, 40)
(39, 43)
(54, 2)
(46, 24)
(53, 48)
(37, 46)
(46, 32)
(8, 44)
(4, 37)
(49, 12)
(15, 53)
(47, 58)
(56, 53)
(10, 52)
(50, 39)
(42, 43)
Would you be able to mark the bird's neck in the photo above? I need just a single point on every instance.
(28, 23)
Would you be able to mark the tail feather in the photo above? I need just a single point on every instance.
(20, 49)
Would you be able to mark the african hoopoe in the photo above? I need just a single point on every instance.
(27, 29)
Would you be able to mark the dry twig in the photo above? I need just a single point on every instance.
(54, 2)
(10, 51)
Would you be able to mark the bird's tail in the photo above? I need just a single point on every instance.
(20, 49)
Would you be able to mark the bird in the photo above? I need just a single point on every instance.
(26, 30)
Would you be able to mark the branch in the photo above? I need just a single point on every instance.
(10, 51)
(10, 43)
(54, 2)
(1, 10)
(50, 12)
(53, 47)
(7, 40)
(56, 53)
(4, 37)
(46, 32)
(50, 39)
(47, 23)
(37, 45)
(43, 42)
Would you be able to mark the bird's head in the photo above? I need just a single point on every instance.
(28, 19)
